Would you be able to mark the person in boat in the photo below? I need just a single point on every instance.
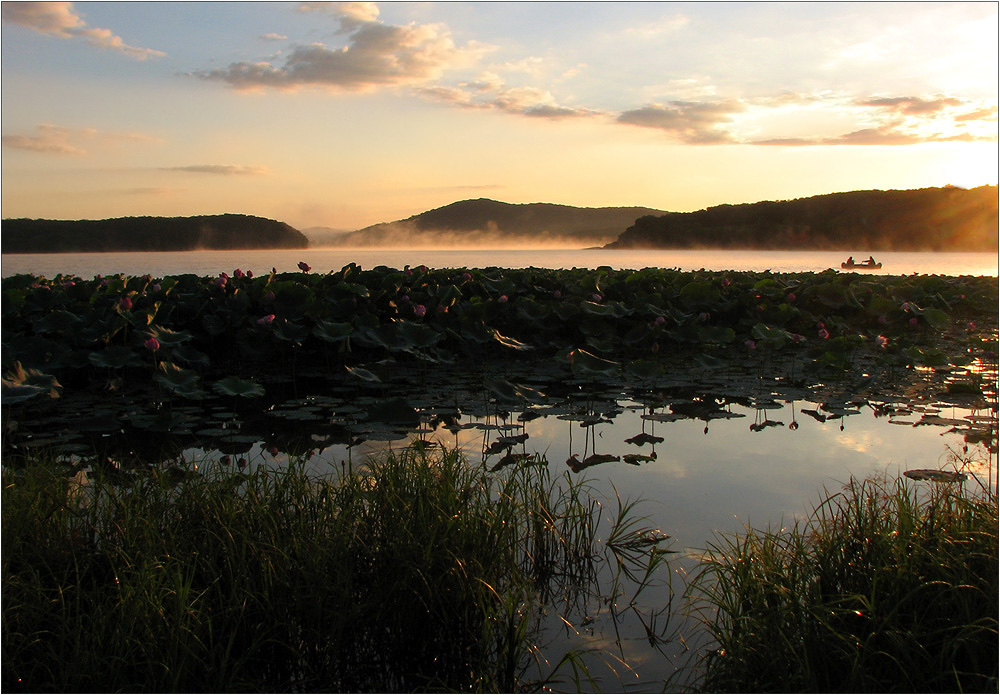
(871, 260)
(850, 260)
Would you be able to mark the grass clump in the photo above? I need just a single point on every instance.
(887, 587)
(420, 572)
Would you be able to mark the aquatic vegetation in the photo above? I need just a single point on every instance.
(415, 571)
(886, 587)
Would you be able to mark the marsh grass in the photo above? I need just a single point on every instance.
(419, 572)
(888, 586)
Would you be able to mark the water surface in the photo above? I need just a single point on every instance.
(87, 265)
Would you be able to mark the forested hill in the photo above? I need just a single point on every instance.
(927, 219)
(147, 234)
(491, 223)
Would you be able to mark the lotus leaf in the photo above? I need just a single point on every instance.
(588, 364)
(509, 342)
(700, 294)
(168, 338)
(363, 374)
(60, 321)
(114, 357)
(235, 386)
(183, 382)
(394, 411)
(22, 384)
(290, 331)
(508, 392)
(332, 332)
(770, 335)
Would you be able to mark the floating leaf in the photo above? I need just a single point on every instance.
(235, 386)
(394, 411)
(936, 476)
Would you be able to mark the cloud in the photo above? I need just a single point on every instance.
(376, 55)
(350, 14)
(911, 105)
(220, 169)
(695, 123)
(889, 135)
(490, 92)
(60, 140)
(49, 140)
(650, 30)
(59, 19)
(273, 37)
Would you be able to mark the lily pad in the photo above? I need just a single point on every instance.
(235, 386)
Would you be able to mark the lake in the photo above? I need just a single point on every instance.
(323, 259)
(755, 444)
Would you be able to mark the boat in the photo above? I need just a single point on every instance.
(870, 264)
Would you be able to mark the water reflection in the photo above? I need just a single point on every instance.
(705, 451)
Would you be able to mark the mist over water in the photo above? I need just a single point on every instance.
(322, 260)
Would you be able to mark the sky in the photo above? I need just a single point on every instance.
(346, 114)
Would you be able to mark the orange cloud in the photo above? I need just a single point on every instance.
(376, 55)
(60, 20)
(696, 123)
(53, 139)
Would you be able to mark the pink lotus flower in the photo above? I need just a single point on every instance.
(151, 344)
(914, 321)
(304, 267)
(125, 303)
(238, 273)
(249, 273)
(797, 338)
(265, 320)
(419, 310)
(273, 451)
(659, 321)
(156, 287)
(226, 460)
(823, 333)
(467, 276)
(241, 462)
(557, 294)
(970, 326)
(502, 299)
(221, 280)
(726, 282)
(751, 345)
(882, 341)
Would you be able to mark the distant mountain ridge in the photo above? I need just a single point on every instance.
(491, 223)
(147, 234)
(926, 219)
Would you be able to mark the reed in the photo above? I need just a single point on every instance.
(415, 572)
(886, 587)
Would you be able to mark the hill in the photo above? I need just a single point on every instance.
(147, 234)
(927, 219)
(490, 223)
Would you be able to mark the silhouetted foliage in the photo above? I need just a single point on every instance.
(490, 221)
(148, 234)
(931, 219)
